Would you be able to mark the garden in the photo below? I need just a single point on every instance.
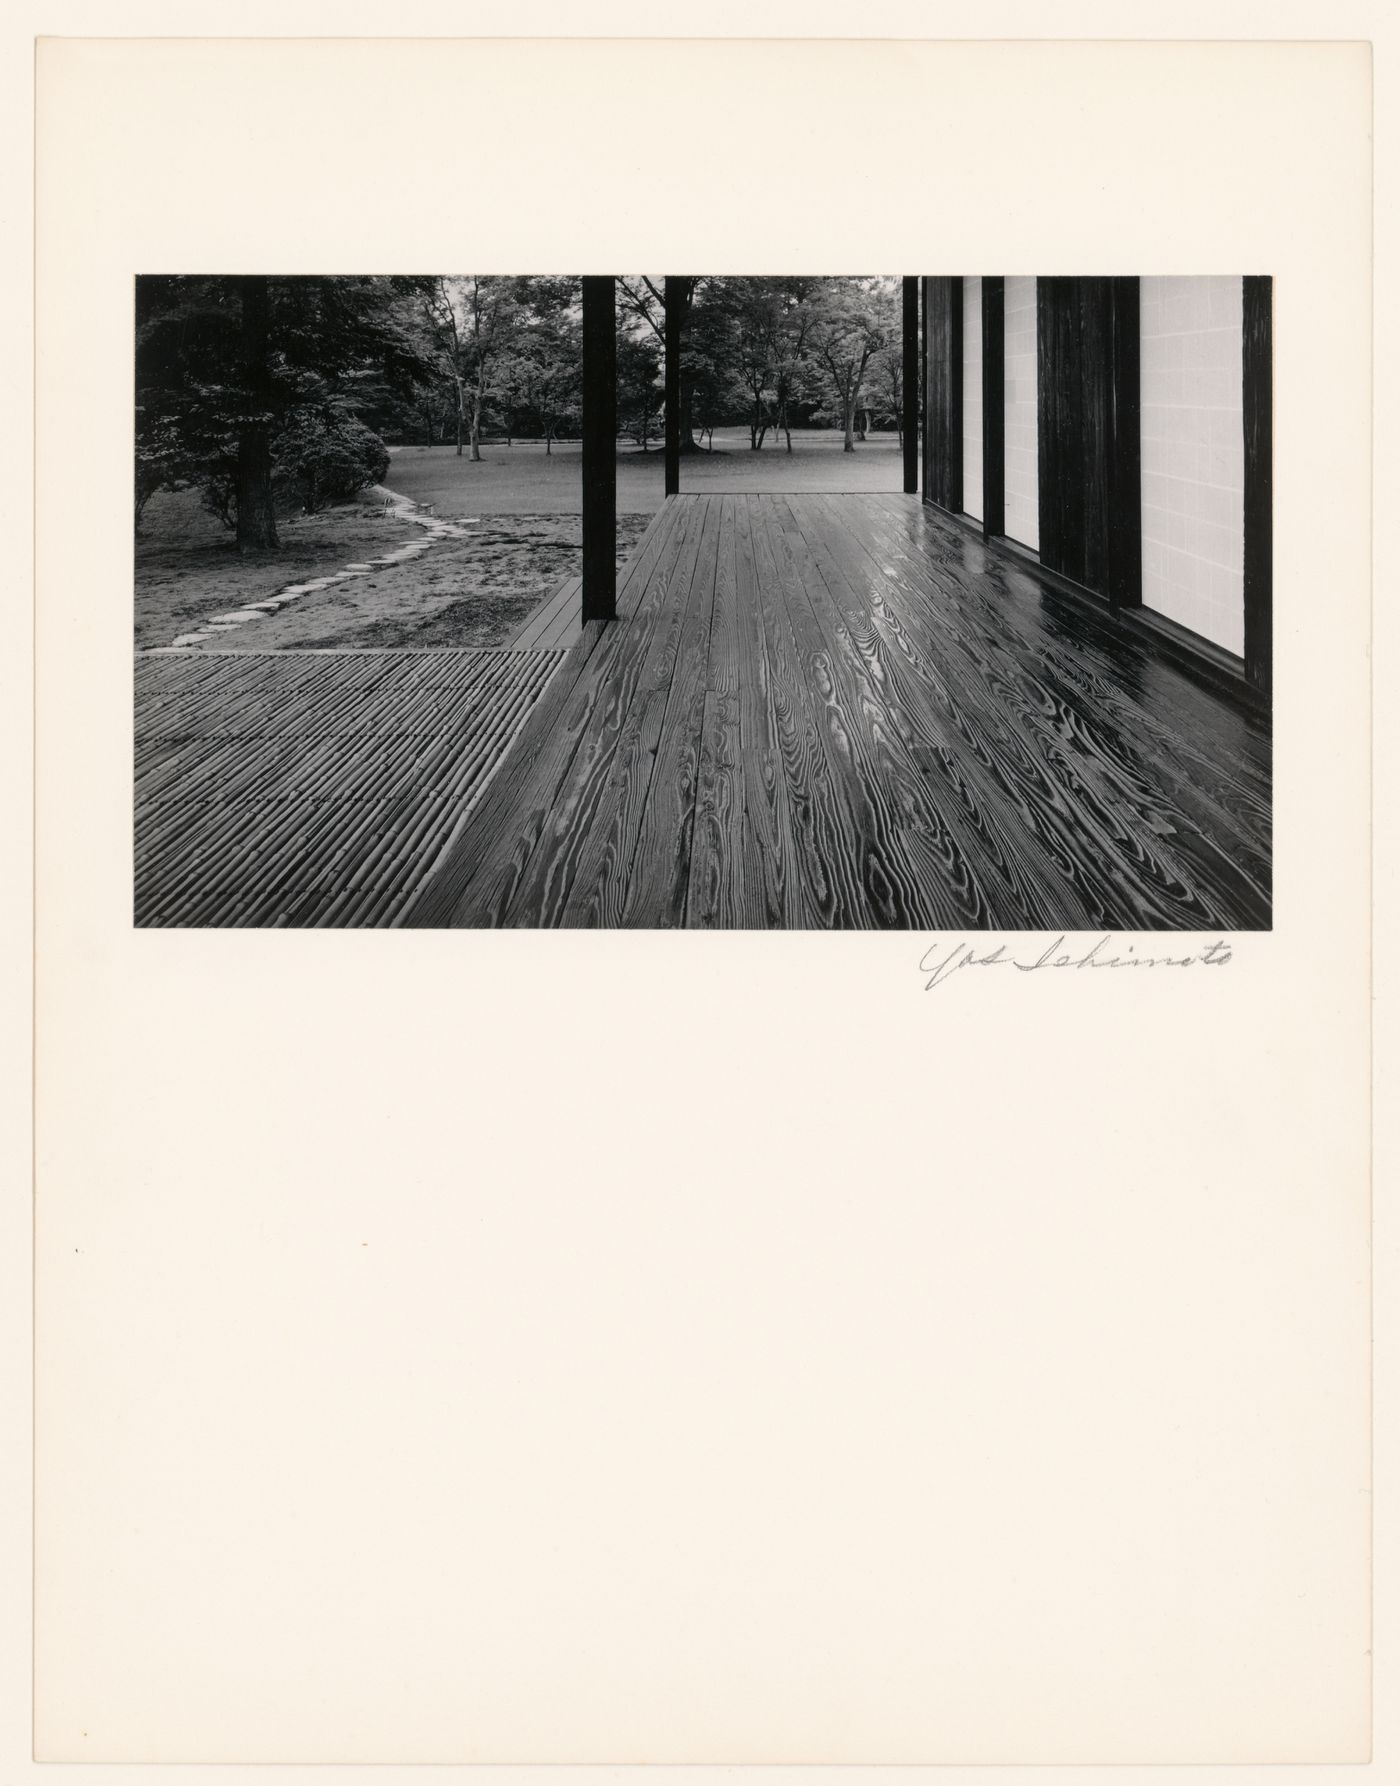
(380, 462)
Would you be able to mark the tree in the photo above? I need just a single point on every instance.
(750, 308)
(230, 370)
(641, 301)
(542, 376)
(850, 326)
(887, 368)
(792, 358)
(773, 321)
(639, 388)
(476, 317)
(257, 521)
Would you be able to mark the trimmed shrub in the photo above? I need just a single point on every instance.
(323, 456)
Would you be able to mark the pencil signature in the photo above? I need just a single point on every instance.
(941, 962)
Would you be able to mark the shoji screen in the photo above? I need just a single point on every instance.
(972, 397)
(1022, 480)
(1193, 455)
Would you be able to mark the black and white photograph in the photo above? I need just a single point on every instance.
(719, 602)
(869, 1336)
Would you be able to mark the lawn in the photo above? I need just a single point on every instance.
(523, 479)
(517, 511)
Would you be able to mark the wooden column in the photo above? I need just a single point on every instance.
(943, 393)
(993, 406)
(675, 310)
(923, 386)
(1259, 482)
(1125, 443)
(1089, 428)
(910, 391)
(599, 449)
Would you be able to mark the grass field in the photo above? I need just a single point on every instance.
(520, 507)
(523, 479)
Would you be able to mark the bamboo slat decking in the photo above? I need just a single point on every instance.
(312, 787)
(846, 712)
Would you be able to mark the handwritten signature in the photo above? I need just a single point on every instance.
(940, 966)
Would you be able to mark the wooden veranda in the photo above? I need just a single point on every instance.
(799, 711)
(849, 712)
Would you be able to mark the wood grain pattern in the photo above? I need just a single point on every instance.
(849, 712)
(590, 836)
(556, 624)
(494, 851)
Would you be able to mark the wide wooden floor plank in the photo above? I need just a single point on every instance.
(884, 789)
(555, 624)
(1172, 747)
(767, 893)
(993, 823)
(1078, 767)
(586, 848)
(838, 712)
(715, 897)
(659, 876)
(971, 872)
(841, 878)
(477, 880)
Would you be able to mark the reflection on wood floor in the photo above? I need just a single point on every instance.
(845, 711)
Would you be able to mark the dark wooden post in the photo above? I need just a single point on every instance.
(1124, 443)
(943, 398)
(923, 389)
(599, 448)
(993, 406)
(910, 422)
(1259, 482)
(675, 311)
(1089, 433)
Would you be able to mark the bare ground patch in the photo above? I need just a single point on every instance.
(473, 591)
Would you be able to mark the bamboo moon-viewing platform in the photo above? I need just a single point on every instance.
(312, 788)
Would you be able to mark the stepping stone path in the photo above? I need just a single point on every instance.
(398, 508)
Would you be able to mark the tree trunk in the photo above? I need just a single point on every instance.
(849, 444)
(689, 444)
(257, 521)
(476, 433)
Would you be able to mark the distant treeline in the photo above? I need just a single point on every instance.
(268, 393)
